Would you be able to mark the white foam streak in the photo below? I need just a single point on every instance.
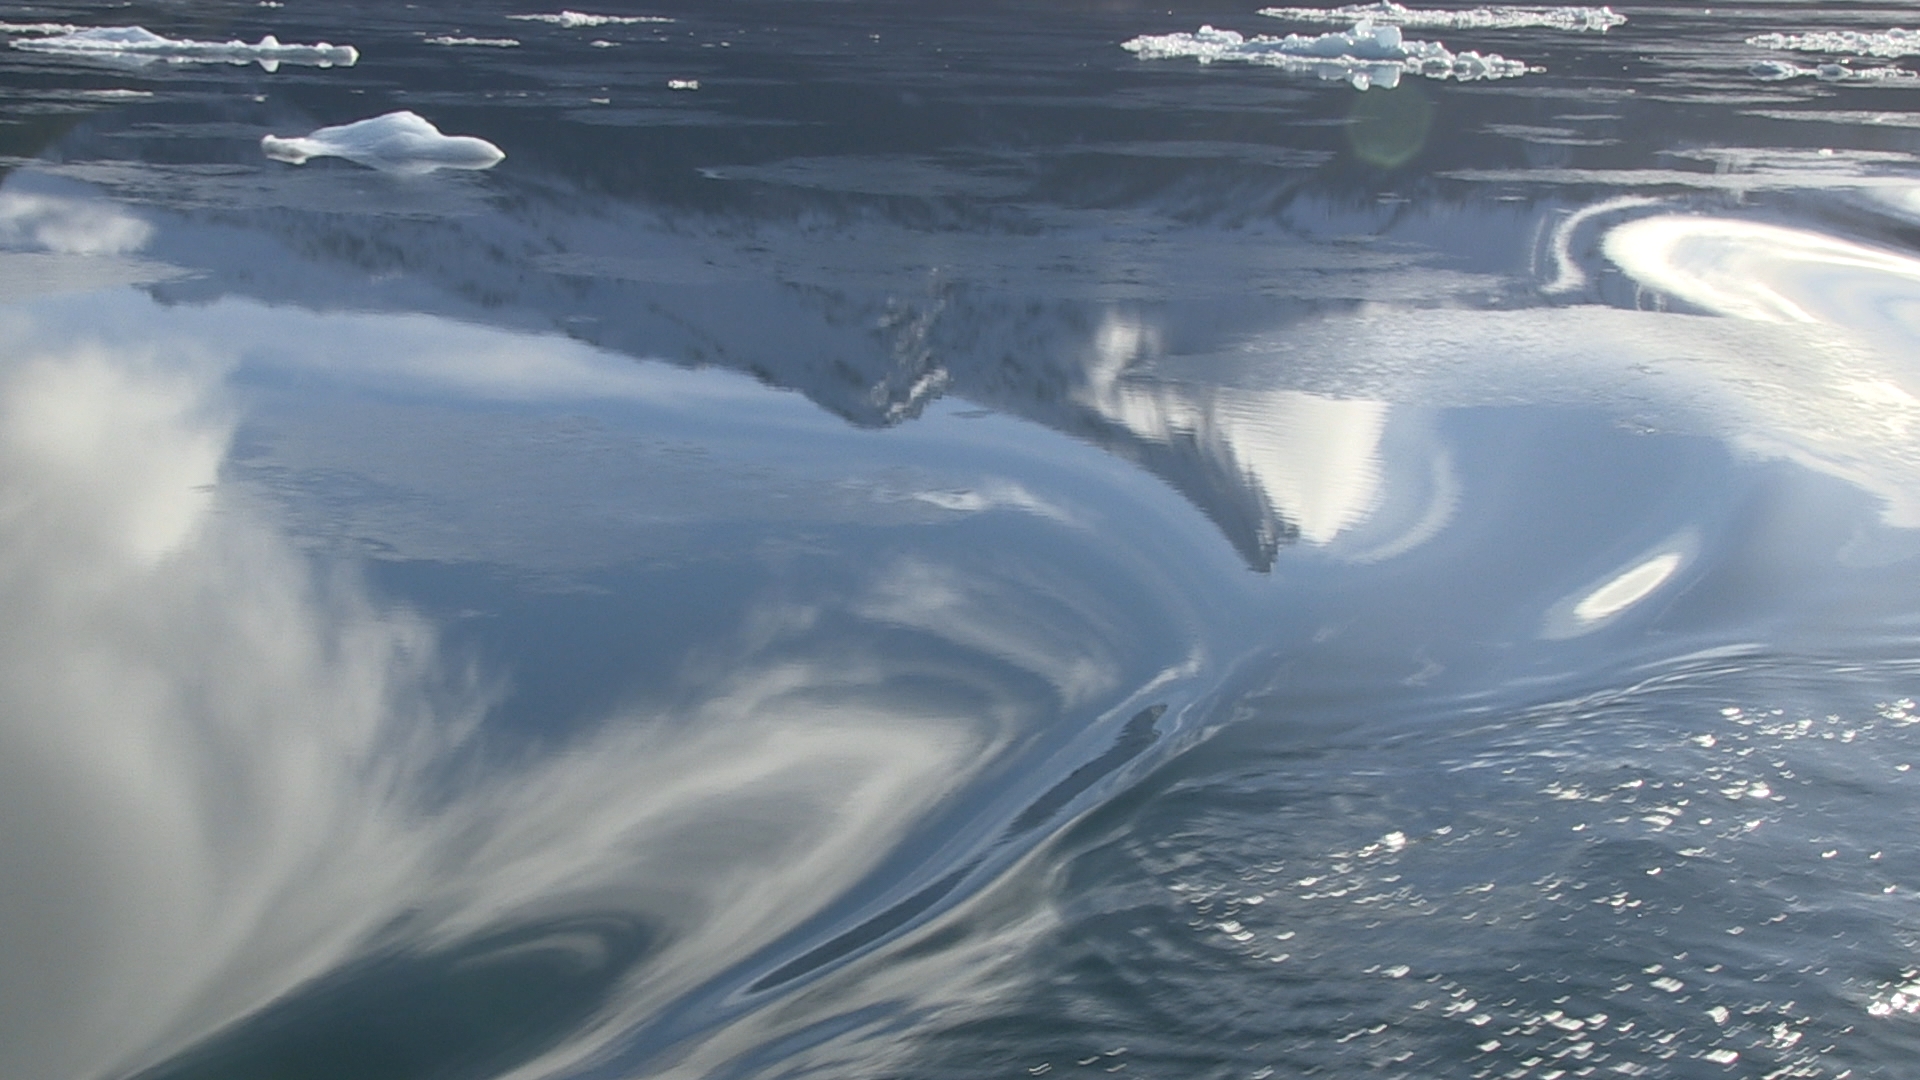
(1368, 55)
(1481, 18)
(140, 45)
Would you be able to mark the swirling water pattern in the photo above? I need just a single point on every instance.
(914, 542)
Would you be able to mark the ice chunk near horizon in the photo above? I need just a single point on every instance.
(1365, 56)
(1386, 12)
(1782, 70)
(1887, 43)
(399, 142)
(575, 19)
(140, 45)
(497, 43)
(38, 28)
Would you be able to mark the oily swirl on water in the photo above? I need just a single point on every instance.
(1772, 273)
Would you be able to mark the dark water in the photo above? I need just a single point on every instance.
(951, 549)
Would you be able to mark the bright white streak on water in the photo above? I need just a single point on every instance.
(1628, 589)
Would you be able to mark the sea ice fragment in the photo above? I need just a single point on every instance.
(1367, 55)
(140, 45)
(1781, 70)
(1480, 18)
(496, 43)
(574, 19)
(1884, 43)
(396, 142)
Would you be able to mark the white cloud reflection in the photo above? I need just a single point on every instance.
(69, 225)
(214, 775)
(1313, 461)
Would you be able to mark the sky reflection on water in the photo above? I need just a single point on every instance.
(660, 606)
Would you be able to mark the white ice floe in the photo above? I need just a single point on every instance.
(1481, 18)
(38, 28)
(577, 19)
(497, 43)
(683, 84)
(397, 142)
(1781, 70)
(140, 45)
(1895, 42)
(1367, 55)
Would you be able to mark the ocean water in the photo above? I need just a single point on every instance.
(959, 540)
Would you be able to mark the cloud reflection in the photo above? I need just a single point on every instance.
(229, 771)
(1310, 462)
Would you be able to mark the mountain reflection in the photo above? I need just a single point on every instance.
(233, 771)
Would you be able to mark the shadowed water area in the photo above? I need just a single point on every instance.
(931, 540)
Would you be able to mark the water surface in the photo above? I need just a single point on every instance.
(897, 539)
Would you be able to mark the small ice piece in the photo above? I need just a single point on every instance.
(1480, 18)
(683, 84)
(497, 43)
(1886, 43)
(397, 142)
(576, 19)
(1367, 55)
(140, 45)
(38, 28)
(1781, 70)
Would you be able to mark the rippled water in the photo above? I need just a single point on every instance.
(935, 540)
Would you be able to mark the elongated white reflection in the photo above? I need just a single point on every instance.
(214, 777)
(1771, 273)
(1622, 590)
(1631, 587)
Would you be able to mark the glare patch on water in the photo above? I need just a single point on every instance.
(1588, 889)
(1599, 604)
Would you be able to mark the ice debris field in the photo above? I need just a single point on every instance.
(140, 45)
(400, 142)
(1366, 56)
(1386, 13)
(1375, 52)
(575, 19)
(1888, 43)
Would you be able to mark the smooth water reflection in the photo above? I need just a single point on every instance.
(655, 608)
(256, 774)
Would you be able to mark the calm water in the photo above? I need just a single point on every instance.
(911, 540)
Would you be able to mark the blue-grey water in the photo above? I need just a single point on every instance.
(913, 540)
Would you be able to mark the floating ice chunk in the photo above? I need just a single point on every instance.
(1367, 55)
(1894, 42)
(498, 43)
(573, 19)
(1480, 18)
(683, 84)
(138, 44)
(1781, 70)
(397, 142)
(38, 28)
